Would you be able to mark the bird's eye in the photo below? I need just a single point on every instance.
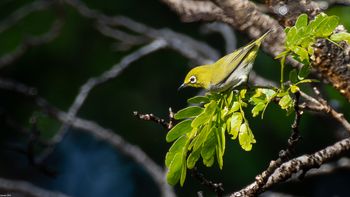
(193, 79)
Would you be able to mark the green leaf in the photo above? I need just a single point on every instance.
(208, 148)
(230, 98)
(236, 121)
(242, 93)
(188, 112)
(304, 72)
(193, 158)
(286, 102)
(183, 171)
(291, 37)
(246, 138)
(220, 147)
(201, 137)
(258, 108)
(209, 162)
(293, 76)
(340, 37)
(179, 130)
(269, 93)
(175, 168)
(206, 115)
(327, 26)
(235, 107)
(300, 36)
(301, 52)
(307, 81)
(313, 25)
(307, 41)
(282, 54)
(256, 100)
(286, 30)
(177, 147)
(198, 100)
(310, 49)
(301, 21)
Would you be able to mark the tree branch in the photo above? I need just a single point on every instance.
(22, 188)
(298, 164)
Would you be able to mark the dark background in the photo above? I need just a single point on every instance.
(89, 167)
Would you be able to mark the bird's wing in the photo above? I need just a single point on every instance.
(229, 63)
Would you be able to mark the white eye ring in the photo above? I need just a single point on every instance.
(193, 79)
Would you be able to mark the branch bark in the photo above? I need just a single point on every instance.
(298, 164)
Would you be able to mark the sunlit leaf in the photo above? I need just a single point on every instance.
(208, 148)
(242, 93)
(183, 171)
(201, 137)
(205, 116)
(177, 147)
(193, 158)
(342, 36)
(269, 93)
(258, 108)
(291, 37)
(175, 168)
(235, 107)
(313, 25)
(236, 121)
(282, 54)
(179, 130)
(220, 147)
(188, 112)
(246, 138)
(327, 26)
(301, 52)
(286, 102)
(198, 100)
(301, 21)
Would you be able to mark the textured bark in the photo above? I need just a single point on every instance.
(333, 62)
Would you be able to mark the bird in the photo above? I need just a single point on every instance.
(228, 72)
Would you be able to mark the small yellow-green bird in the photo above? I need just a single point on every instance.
(228, 72)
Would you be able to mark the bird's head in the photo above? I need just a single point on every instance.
(198, 77)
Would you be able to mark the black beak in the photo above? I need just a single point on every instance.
(182, 86)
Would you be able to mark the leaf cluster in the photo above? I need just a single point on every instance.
(204, 126)
(301, 37)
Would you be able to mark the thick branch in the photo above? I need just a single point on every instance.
(298, 164)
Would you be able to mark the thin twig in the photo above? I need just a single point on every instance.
(322, 106)
(22, 12)
(153, 118)
(215, 187)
